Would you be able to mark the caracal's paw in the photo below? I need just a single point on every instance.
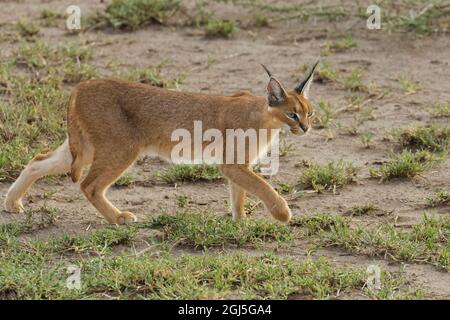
(14, 206)
(238, 215)
(280, 210)
(126, 217)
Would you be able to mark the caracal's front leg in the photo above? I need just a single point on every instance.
(246, 179)
(237, 199)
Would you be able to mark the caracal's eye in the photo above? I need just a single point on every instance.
(292, 116)
(310, 114)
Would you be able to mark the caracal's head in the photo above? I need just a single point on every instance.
(291, 107)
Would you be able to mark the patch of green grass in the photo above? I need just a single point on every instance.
(424, 20)
(405, 165)
(37, 269)
(296, 11)
(192, 173)
(181, 200)
(427, 241)
(323, 115)
(220, 28)
(408, 85)
(74, 72)
(56, 65)
(34, 101)
(441, 109)
(95, 241)
(284, 188)
(359, 120)
(355, 99)
(366, 139)
(285, 147)
(39, 55)
(331, 176)
(135, 14)
(431, 138)
(32, 121)
(28, 276)
(354, 81)
(34, 55)
(210, 230)
(27, 29)
(364, 209)
(41, 218)
(125, 180)
(154, 76)
(261, 21)
(440, 198)
(50, 18)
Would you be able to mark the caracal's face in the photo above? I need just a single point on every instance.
(291, 107)
(296, 112)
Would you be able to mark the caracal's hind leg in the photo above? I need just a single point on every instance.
(52, 163)
(237, 199)
(249, 181)
(106, 168)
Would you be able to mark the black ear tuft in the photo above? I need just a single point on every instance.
(303, 87)
(267, 70)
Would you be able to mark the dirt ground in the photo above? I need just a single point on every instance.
(224, 66)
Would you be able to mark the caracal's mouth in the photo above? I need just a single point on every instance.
(299, 132)
(296, 131)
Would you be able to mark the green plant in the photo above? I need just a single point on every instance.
(181, 200)
(366, 138)
(125, 180)
(427, 241)
(431, 138)
(185, 172)
(339, 45)
(361, 210)
(284, 187)
(134, 14)
(433, 18)
(405, 165)
(409, 86)
(323, 115)
(441, 109)
(359, 120)
(328, 177)
(354, 81)
(26, 28)
(285, 147)
(222, 28)
(261, 21)
(440, 198)
(154, 76)
(209, 230)
(50, 18)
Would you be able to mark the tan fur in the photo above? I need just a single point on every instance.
(111, 122)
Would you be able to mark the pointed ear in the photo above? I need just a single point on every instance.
(303, 87)
(276, 93)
